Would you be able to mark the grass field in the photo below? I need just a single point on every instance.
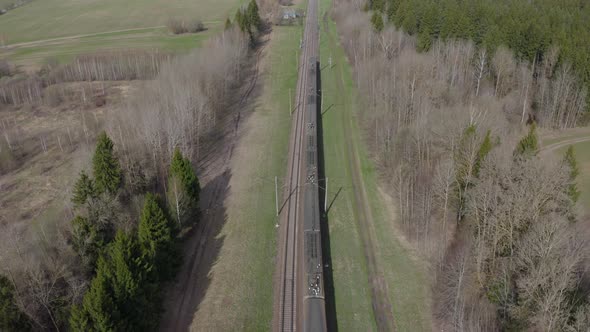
(240, 296)
(63, 28)
(406, 278)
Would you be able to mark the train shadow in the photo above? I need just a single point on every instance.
(331, 319)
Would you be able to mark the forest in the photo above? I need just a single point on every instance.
(529, 28)
(452, 121)
(102, 263)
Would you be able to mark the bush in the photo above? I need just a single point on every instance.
(4, 68)
(196, 26)
(176, 26)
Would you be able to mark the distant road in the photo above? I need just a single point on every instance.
(555, 146)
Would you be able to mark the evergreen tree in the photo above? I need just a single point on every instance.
(11, 318)
(107, 172)
(156, 238)
(87, 241)
(378, 5)
(83, 190)
(465, 167)
(392, 8)
(241, 20)
(424, 41)
(484, 149)
(126, 273)
(572, 163)
(528, 145)
(228, 24)
(98, 311)
(377, 21)
(253, 15)
(183, 190)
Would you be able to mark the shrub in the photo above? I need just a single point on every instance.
(176, 26)
(4, 68)
(196, 26)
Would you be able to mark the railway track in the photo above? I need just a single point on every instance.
(290, 292)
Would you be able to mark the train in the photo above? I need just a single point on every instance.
(314, 315)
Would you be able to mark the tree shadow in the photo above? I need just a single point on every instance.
(331, 317)
(201, 247)
(202, 244)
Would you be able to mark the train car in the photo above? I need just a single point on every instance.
(314, 300)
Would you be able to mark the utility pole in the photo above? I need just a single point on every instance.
(326, 197)
(276, 197)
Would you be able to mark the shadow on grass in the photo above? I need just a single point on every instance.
(326, 253)
(203, 243)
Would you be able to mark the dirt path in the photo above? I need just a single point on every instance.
(44, 41)
(382, 308)
(555, 146)
(202, 245)
(67, 38)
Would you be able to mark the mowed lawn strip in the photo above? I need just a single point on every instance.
(240, 296)
(406, 278)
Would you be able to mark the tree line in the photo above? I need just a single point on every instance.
(529, 28)
(23, 88)
(454, 131)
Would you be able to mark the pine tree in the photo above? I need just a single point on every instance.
(484, 149)
(156, 238)
(572, 163)
(253, 15)
(424, 41)
(11, 318)
(98, 311)
(240, 20)
(87, 241)
(392, 8)
(228, 24)
(377, 21)
(183, 190)
(378, 5)
(83, 190)
(465, 165)
(107, 172)
(528, 145)
(127, 271)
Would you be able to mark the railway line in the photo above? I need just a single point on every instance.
(300, 290)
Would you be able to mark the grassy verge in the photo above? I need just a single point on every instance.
(407, 282)
(240, 297)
